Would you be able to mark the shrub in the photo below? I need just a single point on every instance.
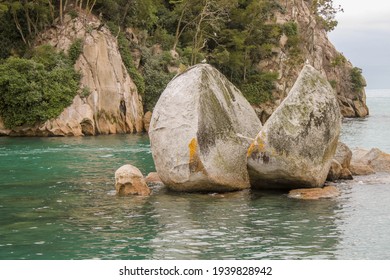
(31, 91)
(75, 49)
(338, 60)
(49, 57)
(357, 80)
(290, 28)
(156, 78)
(258, 89)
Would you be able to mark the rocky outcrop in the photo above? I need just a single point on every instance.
(314, 47)
(340, 166)
(130, 181)
(314, 193)
(296, 146)
(375, 159)
(361, 169)
(108, 101)
(199, 131)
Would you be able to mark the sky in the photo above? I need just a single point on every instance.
(363, 36)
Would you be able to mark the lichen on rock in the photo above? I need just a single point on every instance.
(198, 133)
(297, 143)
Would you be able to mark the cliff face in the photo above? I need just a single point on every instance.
(316, 49)
(108, 101)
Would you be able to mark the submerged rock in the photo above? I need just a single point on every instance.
(297, 143)
(130, 181)
(314, 193)
(153, 179)
(199, 133)
(361, 169)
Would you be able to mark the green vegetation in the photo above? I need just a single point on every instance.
(325, 12)
(339, 60)
(235, 36)
(333, 83)
(124, 49)
(75, 50)
(37, 89)
(156, 76)
(357, 80)
(260, 89)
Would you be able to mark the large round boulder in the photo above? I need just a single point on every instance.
(296, 146)
(199, 133)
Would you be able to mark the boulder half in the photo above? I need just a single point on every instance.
(296, 146)
(199, 133)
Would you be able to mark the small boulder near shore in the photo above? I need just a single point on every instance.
(314, 193)
(199, 133)
(375, 159)
(340, 166)
(130, 181)
(296, 146)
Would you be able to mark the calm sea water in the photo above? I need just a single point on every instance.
(373, 131)
(57, 201)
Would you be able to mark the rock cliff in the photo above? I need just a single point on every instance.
(108, 101)
(314, 47)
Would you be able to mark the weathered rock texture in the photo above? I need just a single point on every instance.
(341, 164)
(198, 131)
(375, 159)
(314, 193)
(296, 146)
(315, 47)
(113, 105)
(130, 181)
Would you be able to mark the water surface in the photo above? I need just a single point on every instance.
(57, 201)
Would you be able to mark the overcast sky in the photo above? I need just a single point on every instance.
(363, 36)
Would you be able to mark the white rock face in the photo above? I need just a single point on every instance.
(296, 145)
(194, 132)
(130, 181)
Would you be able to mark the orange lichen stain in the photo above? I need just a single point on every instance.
(192, 146)
(195, 163)
(258, 146)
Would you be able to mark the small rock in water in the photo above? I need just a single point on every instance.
(153, 178)
(314, 193)
(361, 169)
(130, 181)
(376, 159)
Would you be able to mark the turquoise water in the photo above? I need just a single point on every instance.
(57, 201)
(373, 131)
